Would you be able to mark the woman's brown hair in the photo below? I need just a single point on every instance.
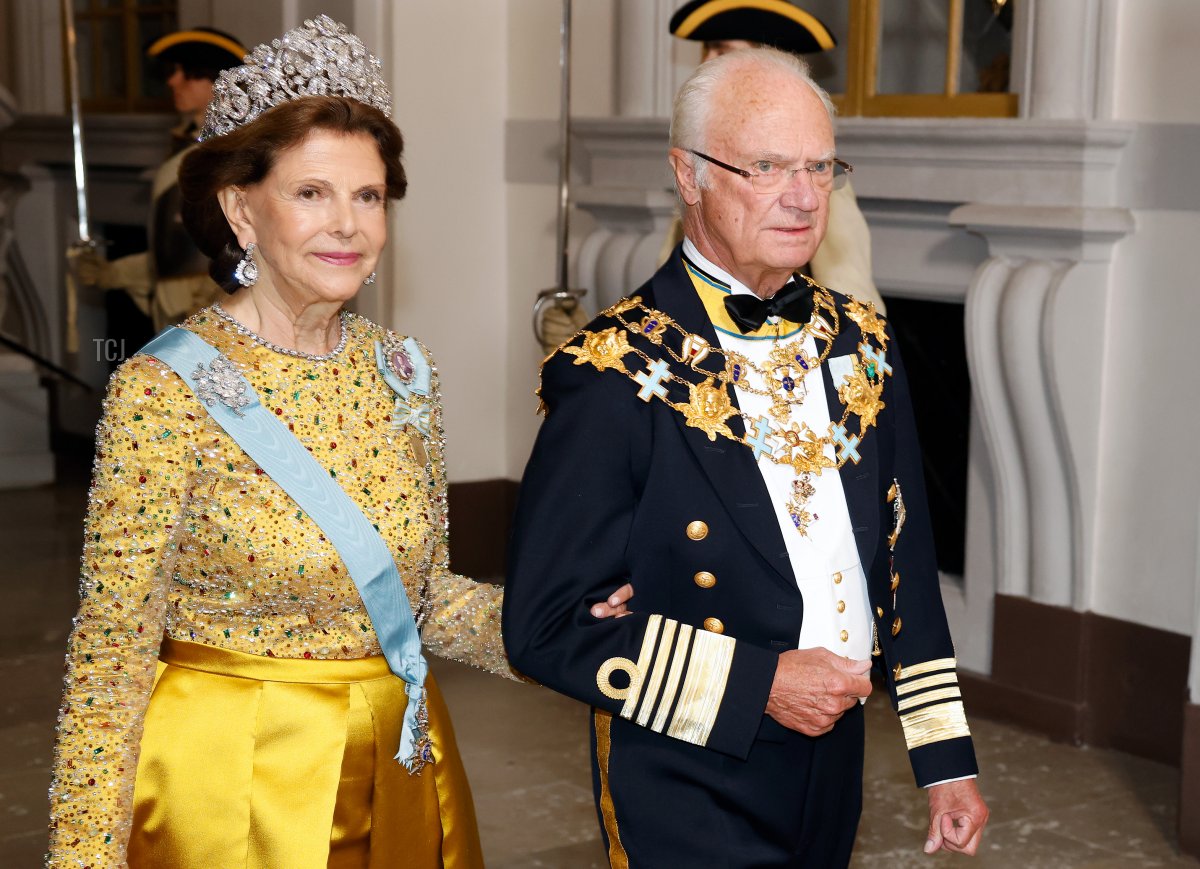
(245, 156)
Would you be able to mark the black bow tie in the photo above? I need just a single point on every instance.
(794, 302)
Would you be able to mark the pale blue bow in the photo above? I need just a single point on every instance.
(412, 405)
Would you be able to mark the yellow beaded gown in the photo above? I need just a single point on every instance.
(264, 736)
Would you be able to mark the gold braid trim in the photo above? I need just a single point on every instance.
(617, 858)
(643, 665)
(926, 667)
(673, 677)
(656, 675)
(935, 724)
(703, 688)
(951, 693)
(927, 682)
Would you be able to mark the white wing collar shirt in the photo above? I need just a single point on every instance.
(825, 561)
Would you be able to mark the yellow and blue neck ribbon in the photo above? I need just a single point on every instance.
(713, 291)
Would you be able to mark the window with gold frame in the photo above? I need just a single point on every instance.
(111, 39)
(918, 58)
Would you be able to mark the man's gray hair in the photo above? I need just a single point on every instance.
(693, 104)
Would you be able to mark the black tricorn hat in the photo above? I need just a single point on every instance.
(776, 23)
(204, 48)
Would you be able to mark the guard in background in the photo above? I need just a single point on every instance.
(843, 261)
(163, 285)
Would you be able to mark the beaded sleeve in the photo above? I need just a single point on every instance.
(461, 616)
(139, 485)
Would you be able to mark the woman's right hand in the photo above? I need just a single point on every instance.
(616, 605)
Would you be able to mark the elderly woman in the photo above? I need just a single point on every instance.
(266, 530)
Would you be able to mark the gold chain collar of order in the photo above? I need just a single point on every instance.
(709, 405)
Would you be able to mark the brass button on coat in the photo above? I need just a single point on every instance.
(697, 530)
(716, 626)
(704, 579)
(841, 606)
(895, 581)
(879, 611)
(896, 625)
(837, 578)
(845, 636)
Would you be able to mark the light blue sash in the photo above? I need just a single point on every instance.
(234, 404)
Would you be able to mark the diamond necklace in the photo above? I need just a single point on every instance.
(286, 351)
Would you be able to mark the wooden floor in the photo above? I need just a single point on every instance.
(1053, 806)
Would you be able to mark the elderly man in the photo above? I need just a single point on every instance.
(843, 261)
(738, 443)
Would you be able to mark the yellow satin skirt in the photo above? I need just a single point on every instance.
(256, 762)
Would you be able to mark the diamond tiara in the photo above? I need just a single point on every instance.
(319, 58)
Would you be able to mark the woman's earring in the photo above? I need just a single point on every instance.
(246, 271)
(369, 279)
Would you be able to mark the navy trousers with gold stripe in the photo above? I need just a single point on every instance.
(794, 802)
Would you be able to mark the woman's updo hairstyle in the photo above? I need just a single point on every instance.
(245, 156)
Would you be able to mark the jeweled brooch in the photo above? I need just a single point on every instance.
(220, 381)
(402, 364)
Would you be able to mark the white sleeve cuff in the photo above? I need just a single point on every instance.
(947, 781)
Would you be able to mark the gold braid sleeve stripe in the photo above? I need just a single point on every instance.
(927, 682)
(927, 667)
(703, 688)
(656, 675)
(672, 688)
(951, 693)
(935, 724)
(643, 664)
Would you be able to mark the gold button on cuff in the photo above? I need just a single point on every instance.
(896, 625)
(841, 606)
(716, 626)
(845, 636)
(837, 578)
(879, 611)
(897, 670)
(704, 579)
(697, 530)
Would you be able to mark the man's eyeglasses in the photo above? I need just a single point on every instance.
(776, 177)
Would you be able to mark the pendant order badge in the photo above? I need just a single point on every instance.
(402, 364)
(802, 490)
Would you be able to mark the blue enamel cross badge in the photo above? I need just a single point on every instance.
(762, 434)
(874, 358)
(651, 380)
(847, 443)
